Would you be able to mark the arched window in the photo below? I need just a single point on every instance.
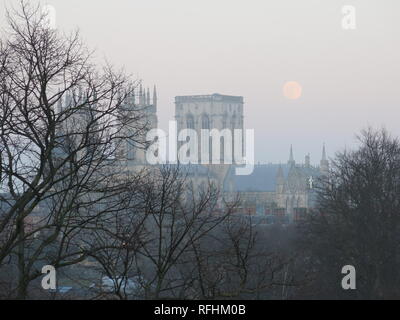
(222, 155)
(224, 117)
(233, 122)
(205, 122)
(189, 122)
(233, 127)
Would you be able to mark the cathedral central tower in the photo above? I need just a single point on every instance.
(213, 111)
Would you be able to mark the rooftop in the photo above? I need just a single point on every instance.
(210, 98)
(263, 178)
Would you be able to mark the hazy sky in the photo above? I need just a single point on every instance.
(350, 78)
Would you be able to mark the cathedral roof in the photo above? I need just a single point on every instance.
(208, 98)
(193, 170)
(263, 178)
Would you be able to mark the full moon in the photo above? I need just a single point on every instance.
(292, 90)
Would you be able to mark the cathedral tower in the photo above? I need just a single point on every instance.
(214, 111)
(139, 104)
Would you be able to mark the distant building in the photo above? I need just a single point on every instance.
(133, 151)
(285, 191)
(213, 111)
(282, 192)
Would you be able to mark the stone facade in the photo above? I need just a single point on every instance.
(208, 112)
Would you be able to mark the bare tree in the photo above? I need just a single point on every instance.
(236, 262)
(148, 247)
(63, 124)
(67, 197)
(178, 214)
(118, 242)
(358, 221)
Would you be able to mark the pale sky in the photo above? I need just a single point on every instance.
(350, 78)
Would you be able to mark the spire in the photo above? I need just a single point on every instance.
(148, 97)
(307, 161)
(155, 96)
(323, 153)
(144, 97)
(291, 158)
(141, 101)
(324, 164)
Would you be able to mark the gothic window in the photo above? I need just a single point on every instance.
(222, 149)
(233, 126)
(189, 122)
(233, 121)
(224, 117)
(205, 122)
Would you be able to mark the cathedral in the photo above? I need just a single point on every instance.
(207, 112)
(130, 153)
(133, 153)
(280, 193)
